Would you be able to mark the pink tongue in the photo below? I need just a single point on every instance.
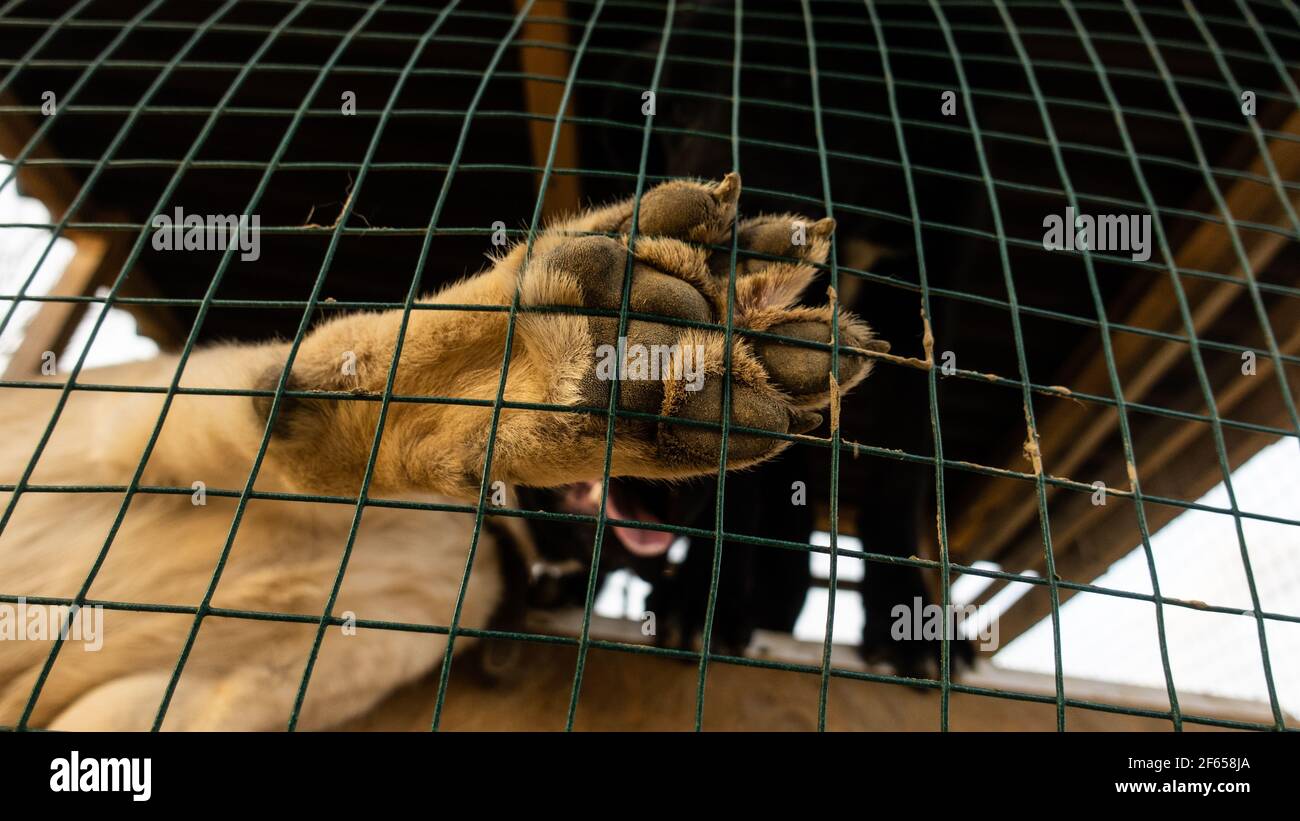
(637, 541)
(644, 542)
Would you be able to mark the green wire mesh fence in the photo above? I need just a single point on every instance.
(738, 52)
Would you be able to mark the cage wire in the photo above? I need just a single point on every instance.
(585, 20)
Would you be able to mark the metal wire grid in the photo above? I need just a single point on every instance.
(806, 17)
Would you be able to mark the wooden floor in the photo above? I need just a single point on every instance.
(627, 691)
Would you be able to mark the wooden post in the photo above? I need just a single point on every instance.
(563, 192)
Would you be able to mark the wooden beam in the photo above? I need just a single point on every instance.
(97, 261)
(1069, 432)
(54, 322)
(53, 185)
(1090, 538)
(563, 192)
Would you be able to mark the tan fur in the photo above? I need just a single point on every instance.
(406, 565)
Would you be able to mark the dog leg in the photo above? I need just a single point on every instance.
(566, 358)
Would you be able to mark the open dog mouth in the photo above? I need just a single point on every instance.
(584, 497)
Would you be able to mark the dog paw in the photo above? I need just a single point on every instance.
(671, 359)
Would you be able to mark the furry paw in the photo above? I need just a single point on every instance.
(672, 364)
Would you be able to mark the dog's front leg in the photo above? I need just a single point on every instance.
(454, 348)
